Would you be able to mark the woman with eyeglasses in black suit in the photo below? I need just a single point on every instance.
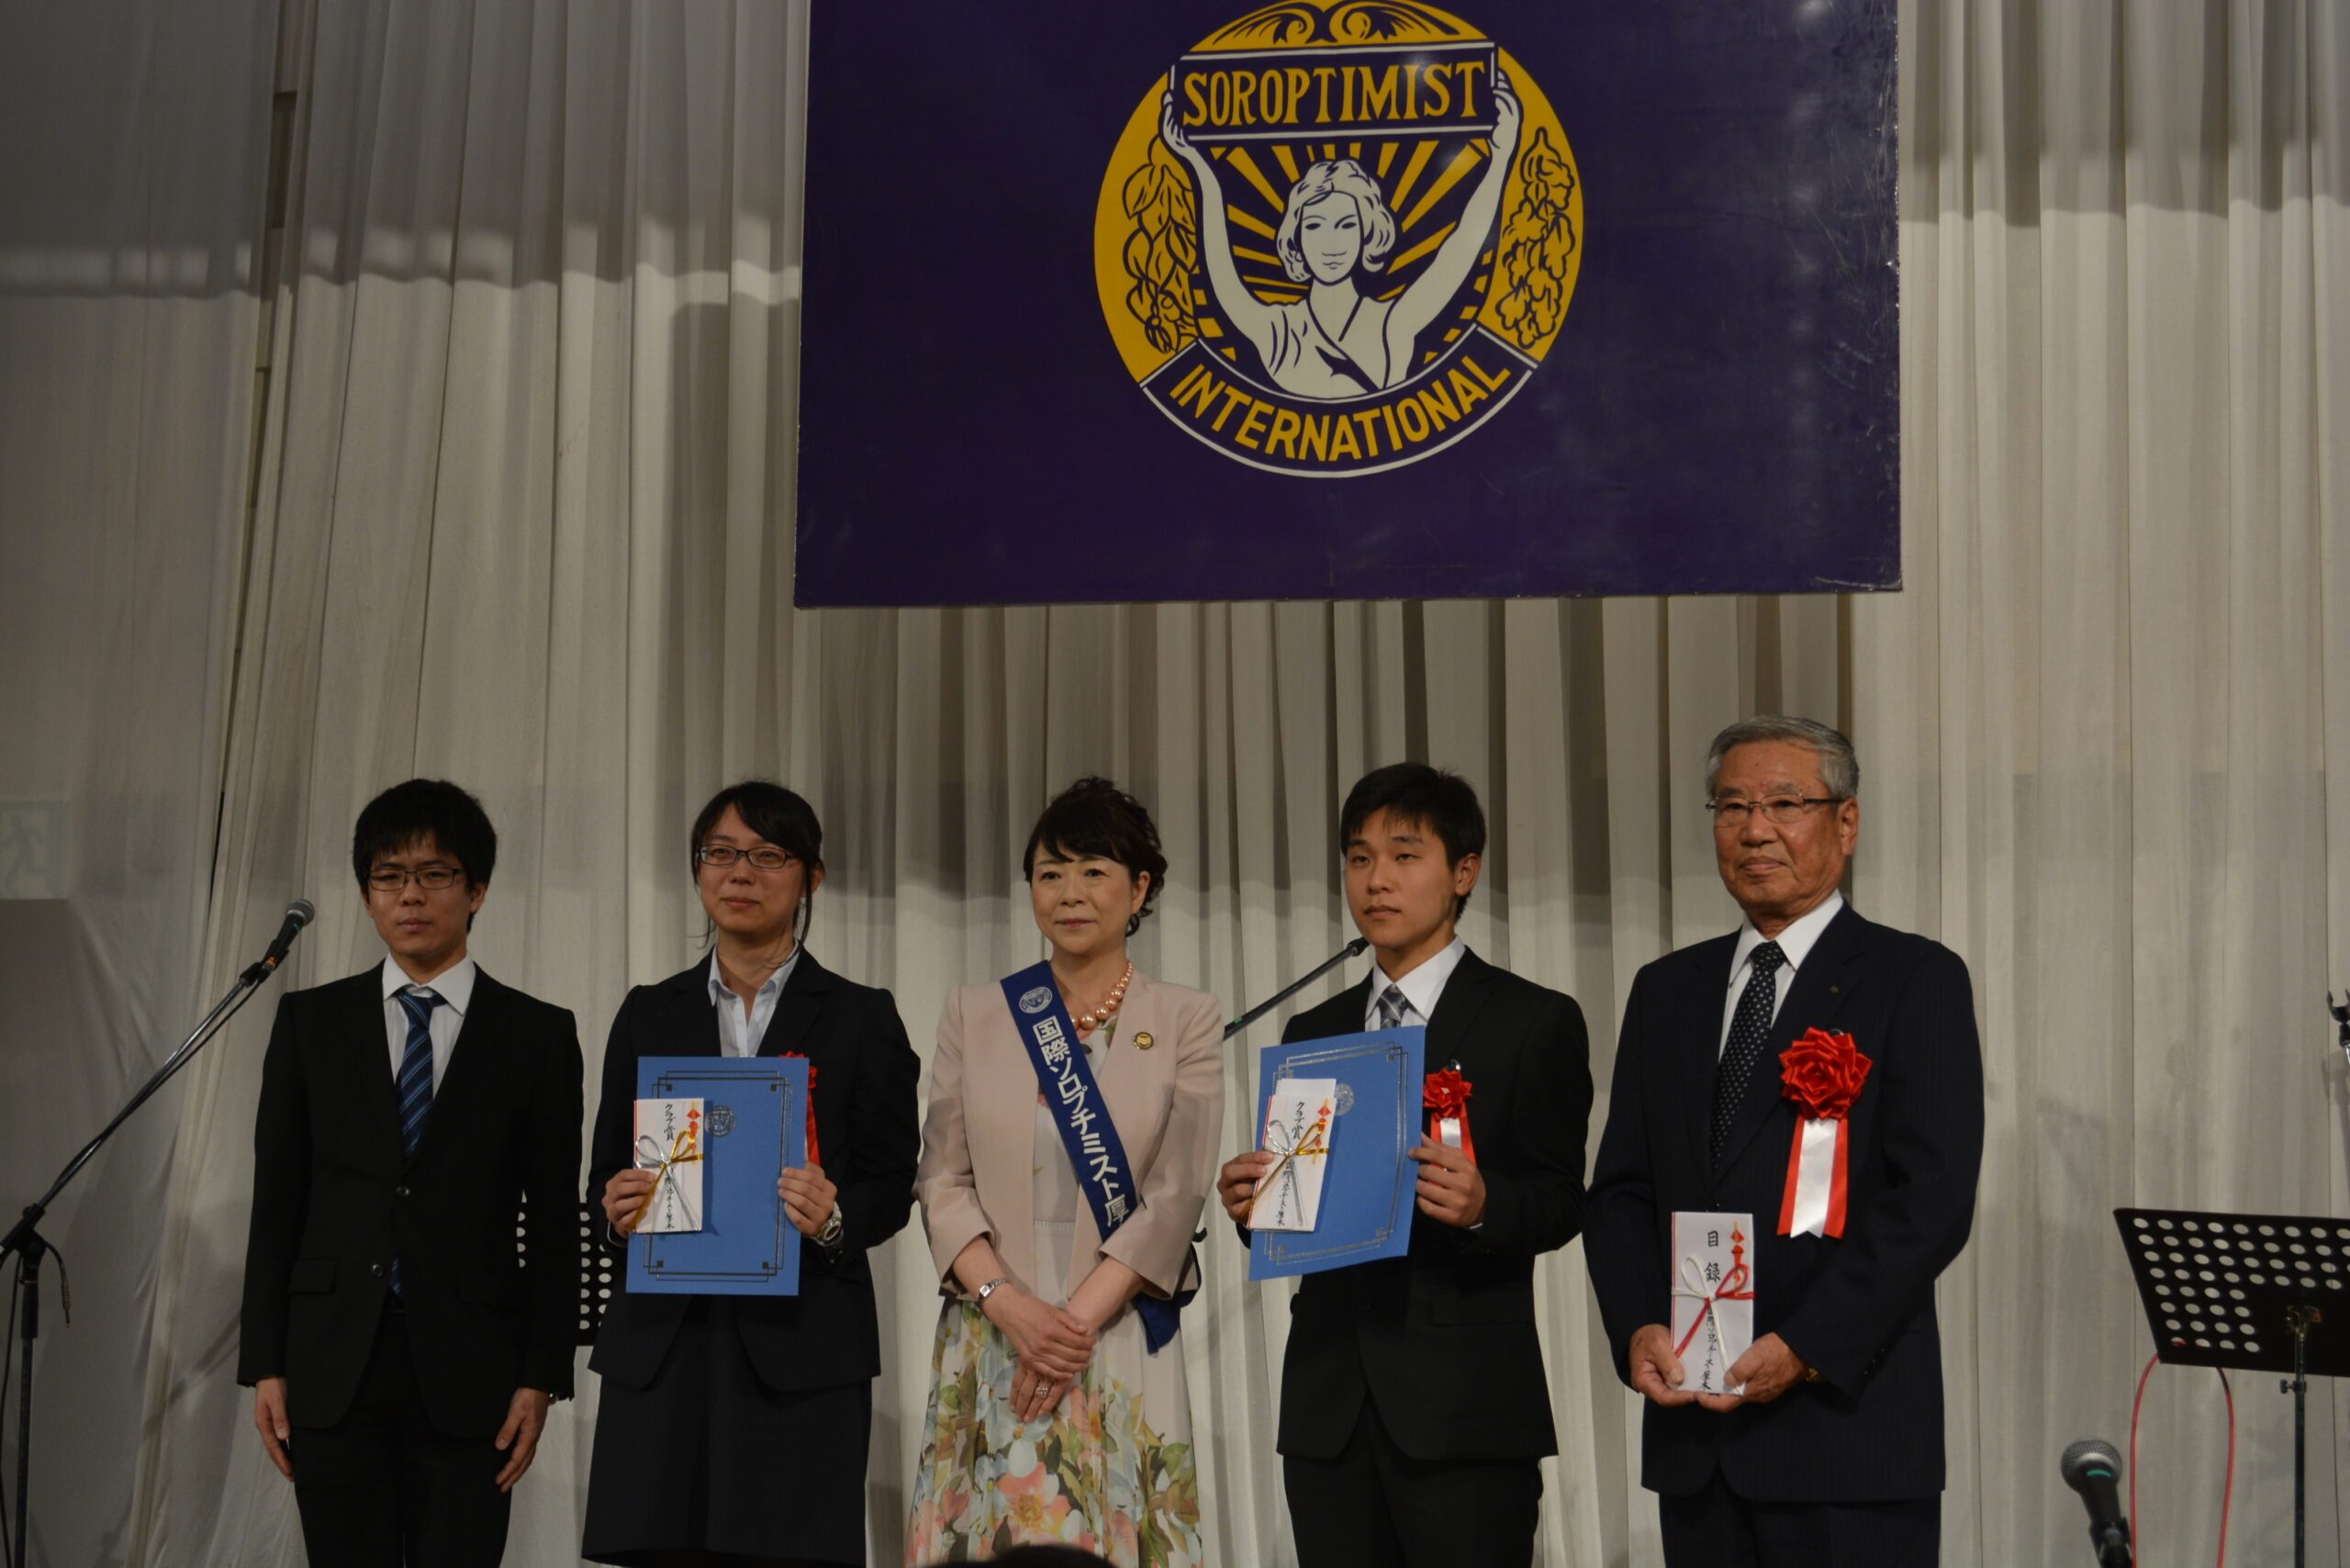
(733, 1428)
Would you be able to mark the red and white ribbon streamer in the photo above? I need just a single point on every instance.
(1814, 1202)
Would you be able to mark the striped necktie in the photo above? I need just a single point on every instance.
(416, 1076)
(416, 1065)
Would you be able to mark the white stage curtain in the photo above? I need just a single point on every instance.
(134, 153)
(524, 516)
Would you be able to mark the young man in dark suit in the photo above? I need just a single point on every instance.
(1833, 1455)
(402, 1355)
(1415, 1413)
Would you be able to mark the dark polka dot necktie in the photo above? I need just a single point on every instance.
(1749, 1028)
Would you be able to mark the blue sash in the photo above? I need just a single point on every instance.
(1111, 1185)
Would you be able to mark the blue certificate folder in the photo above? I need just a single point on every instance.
(1367, 1194)
(757, 1111)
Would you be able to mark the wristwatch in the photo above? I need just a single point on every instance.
(831, 1234)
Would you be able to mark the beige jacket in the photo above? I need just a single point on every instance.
(978, 1169)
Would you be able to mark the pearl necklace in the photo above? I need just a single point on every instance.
(1107, 1009)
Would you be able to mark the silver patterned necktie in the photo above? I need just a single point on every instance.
(1749, 1029)
(1391, 1007)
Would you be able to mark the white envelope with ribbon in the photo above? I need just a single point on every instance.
(1713, 1296)
(669, 1144)
(1298, 1118)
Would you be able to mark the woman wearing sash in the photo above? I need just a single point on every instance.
(734, 1429)
(1059, 1411)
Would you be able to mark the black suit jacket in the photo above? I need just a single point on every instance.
(1860, 1308)
(867, 1133)
(336, 1196)
(1443, 1338)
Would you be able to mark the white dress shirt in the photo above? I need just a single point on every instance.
(737, 1036)
(1421, 988)
(455, 986)
(1796, 942)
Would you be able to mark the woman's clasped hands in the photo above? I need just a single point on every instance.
(1054, 1346)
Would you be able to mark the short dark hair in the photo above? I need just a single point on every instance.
(1094, 816)
(1435, 798)
(782, 817)
(406, 814)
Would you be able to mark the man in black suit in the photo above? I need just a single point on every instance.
(1415, 1413)
(1832, 1456)
(402, 1355)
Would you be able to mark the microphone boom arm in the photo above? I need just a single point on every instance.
(1315, 973)
(29, 1247)
(211, 1025)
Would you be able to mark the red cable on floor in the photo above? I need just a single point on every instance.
(2228, 1490)
(2136, 1540)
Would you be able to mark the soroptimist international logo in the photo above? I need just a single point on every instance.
(1338, 235)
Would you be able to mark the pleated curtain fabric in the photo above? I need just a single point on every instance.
(134, 160)
(521, 515)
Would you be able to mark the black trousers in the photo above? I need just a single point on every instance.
(710, 1465)
(1719, 1528)
(1376, 1506)
(383, 1487)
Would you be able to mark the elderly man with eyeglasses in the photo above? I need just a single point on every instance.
(1819, 1074)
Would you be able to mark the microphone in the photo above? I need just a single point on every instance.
(2092, 1468)
(298, 913)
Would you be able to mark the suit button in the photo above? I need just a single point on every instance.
(376, 1270)
(400, 1192)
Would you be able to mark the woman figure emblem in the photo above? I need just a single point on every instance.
(1336, 233)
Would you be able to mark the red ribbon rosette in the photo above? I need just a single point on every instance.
(803, 1056)
(1446, 1096)
(1822, 1073)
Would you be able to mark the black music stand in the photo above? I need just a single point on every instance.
(599, 1267)
(598, 1272)
(2259, 1293)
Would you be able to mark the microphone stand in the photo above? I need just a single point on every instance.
(2298, 1319)
(2341, 1011)
(31, 1247)
(1315, 973)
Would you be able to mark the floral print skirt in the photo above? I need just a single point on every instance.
(1109, 1470)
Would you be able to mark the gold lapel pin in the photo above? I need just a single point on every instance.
(1143, 1041)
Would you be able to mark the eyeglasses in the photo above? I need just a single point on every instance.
(433, 878)
(766, 857)
(1782, 810)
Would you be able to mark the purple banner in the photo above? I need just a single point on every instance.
(1347, 299)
